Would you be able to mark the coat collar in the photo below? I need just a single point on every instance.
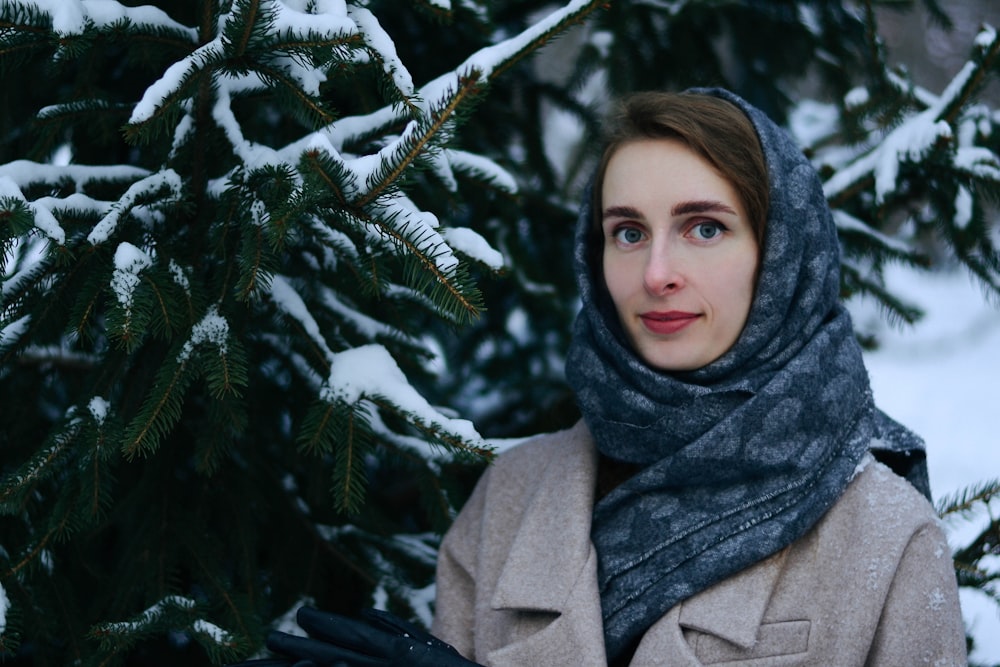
(733, 609)
(558, 516)
(561, 575)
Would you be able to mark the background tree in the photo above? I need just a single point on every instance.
(247, 247)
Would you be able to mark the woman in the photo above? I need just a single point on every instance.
(721, 500)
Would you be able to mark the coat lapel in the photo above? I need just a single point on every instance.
(733, 609)
(552, 566)
(552, 544)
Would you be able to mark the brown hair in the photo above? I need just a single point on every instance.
(712, 127)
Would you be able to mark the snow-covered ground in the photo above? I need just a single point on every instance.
(942, 379)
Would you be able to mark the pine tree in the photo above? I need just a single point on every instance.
(225, 228)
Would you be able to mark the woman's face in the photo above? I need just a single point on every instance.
(680, 256)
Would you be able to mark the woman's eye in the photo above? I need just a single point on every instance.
(705, 231)
(628, 235)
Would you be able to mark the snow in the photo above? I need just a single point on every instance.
(13, 331)
(483, 166)
(177, 273)
(368, 326)
(4, 606)
(327, 17)
(212, 328)
(986, 36)
(172, 79)
(856, 97)
(939, 378)
(26, 172)
(98, 407)
(44, 219)
(847, 222)
(106, 12)
(472, 244)
(70, 17)
(911, 141)
(153, 613)
(379, 41)
(291, 303)
(129, 263)
(218, 635)
(963, 208)
(370, 371)
(168, 178)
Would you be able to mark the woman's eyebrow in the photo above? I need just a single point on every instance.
(621, 212)
(701, 206)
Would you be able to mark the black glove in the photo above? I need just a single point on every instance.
(382, 640)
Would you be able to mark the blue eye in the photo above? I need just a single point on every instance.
(628, 235)
(707, 230)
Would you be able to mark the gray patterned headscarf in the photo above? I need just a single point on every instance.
(741, 457)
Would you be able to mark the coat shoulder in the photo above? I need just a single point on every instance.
(530, 459)
(884, 501)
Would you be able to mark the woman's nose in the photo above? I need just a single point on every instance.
(661, 275)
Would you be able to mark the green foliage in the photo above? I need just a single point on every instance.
(976, 505)
(204, 214)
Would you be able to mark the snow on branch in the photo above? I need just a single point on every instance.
(368, 326)
(382, 45)
(12, 332)
(212, 328)
(71, 17)
(251, 154)
(130, 261)
(910, 141)
(370, 372)
(489, 61)
(327, 17)
(168, 179)
(287, 300)
(27, 173)
(173, 79)
(4, 607)
(846, 222)
(470, 243)
(151, 614)
(481, 167)
(44, 220)
(920, 132)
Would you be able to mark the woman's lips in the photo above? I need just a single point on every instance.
(668, 322)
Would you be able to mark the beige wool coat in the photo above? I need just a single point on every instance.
(871, 584)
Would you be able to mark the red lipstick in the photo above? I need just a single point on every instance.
(667, 323)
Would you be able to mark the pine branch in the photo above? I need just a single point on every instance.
(974, 76)
(542, 33)
(316, 110)
(25, 30)
(468, 87)
(42, 466)
(245, 19)
(433, 432)
(257, 262)
(160, 410)
(964, 500)
(165, 101)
